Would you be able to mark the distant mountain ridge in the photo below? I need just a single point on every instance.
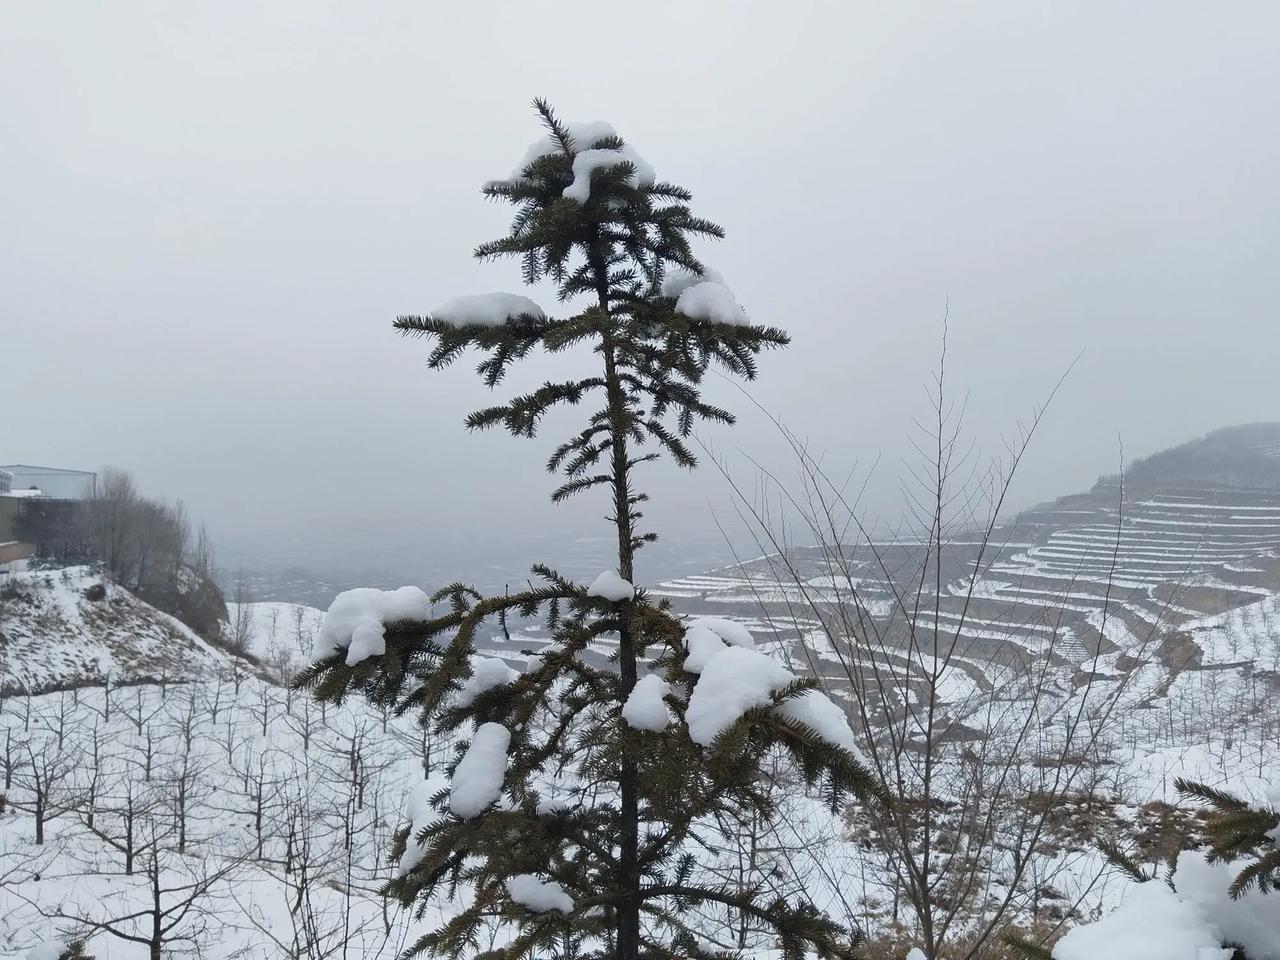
(1243, 457)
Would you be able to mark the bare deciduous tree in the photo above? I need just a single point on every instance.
(182, 900)
(241, 626)
(976, 736)
(46, 782)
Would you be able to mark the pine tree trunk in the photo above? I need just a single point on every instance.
(629, 811)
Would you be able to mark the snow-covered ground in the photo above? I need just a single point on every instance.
(279, 813)
(275, 628)
(287, 810)
(250, 780)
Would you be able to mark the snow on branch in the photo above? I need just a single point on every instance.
(1273, 798)
(420, 814)
(814, 709)
(645, 708)
(1154, 923)
(1251, 921)
(477, 781)
(356, 621)
(609, 586)
(679, 279)
(587, 162)
(733, 681)
(706, 636)
(539, 896)
(711, 301)
(730, 631)
(486, 309)
(737, 679)
(703, 296)
(486, 674)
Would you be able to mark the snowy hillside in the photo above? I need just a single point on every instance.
(271, 815)
(278, 635)
(275, 811)
(278, 814)
(71, 627)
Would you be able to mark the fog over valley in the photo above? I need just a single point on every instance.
(239, 202)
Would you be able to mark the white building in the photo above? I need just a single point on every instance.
(55, 482)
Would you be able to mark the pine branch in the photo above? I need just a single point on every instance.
(1123, 861)
(1236, 830)
(1025, 948)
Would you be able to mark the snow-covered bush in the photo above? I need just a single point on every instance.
(1215, 905)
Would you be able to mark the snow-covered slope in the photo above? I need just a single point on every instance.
(286, 814)
(277, 634)
(71, 627)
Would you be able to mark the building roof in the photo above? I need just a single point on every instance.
(28, 468)
(30, 492)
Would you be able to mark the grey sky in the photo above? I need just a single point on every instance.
(212, 212)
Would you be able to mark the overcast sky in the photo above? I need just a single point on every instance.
(212, 212)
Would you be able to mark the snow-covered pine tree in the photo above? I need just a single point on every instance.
(572, 813)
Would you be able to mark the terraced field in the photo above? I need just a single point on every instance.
(1093, 585)
(1192, 532)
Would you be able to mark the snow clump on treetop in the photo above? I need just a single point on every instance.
(609, 586)
(356, 621)
(587, 159)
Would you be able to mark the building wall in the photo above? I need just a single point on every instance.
(55, 482)
(9, 552)
(9, 507)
